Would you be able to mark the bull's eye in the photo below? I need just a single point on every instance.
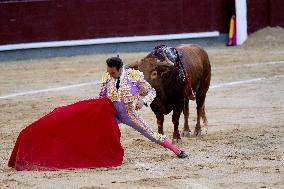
(154, 75)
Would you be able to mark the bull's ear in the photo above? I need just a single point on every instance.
(133, 65)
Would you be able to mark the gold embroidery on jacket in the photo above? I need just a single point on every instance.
(106, 77)
(133, 75)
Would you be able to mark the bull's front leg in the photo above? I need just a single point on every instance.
(159, 116)
(175, 119)
(160, 122)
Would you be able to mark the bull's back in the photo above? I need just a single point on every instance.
(197, 64)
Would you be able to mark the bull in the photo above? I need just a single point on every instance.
(173, 92)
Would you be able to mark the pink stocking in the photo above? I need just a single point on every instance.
(169, 145)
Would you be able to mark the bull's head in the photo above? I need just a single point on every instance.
(153, 69)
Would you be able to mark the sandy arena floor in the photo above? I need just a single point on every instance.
(244, 147)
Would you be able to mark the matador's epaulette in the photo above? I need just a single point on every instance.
(106, 77)
(133, 75)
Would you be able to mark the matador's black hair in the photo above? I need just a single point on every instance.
(114, 62)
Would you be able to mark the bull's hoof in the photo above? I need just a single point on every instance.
(176, 138)
(192, 97)
(182, 155)
(186, 133)
(197, 132)
(176, 141)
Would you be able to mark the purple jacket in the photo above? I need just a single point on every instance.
(131, 86)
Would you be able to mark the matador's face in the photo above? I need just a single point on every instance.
(114, 72)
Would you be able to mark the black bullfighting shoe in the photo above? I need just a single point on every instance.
(182, 155)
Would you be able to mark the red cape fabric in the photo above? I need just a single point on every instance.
(80, 135)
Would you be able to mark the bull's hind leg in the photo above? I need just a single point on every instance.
(200, 99)
(186, 131)
(204, 119)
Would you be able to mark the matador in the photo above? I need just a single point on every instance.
(123, 87)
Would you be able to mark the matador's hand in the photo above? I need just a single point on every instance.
(138, 105)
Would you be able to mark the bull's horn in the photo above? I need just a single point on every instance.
(132, 65)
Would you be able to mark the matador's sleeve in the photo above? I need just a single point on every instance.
(105, 79)
(146, 89)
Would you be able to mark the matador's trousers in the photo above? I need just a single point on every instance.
(126, 114)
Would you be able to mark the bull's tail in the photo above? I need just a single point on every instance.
(206, 83)
(203, 88)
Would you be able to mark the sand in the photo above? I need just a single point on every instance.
(244, 146)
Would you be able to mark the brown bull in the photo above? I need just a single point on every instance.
(173, 95)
